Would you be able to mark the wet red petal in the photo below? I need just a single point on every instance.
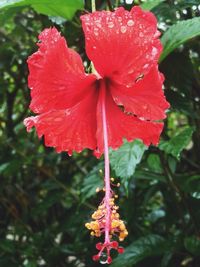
(57, 79)
(122, 44)
(144, 99)
(121, 125)
(70, 129)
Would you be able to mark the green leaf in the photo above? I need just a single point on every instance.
(179, 34)
(150, 4)
(7, 245)
(192, 244)
(148, 175)
(177, 143)
(150, 245)
(4, 167)
(154, 163)
(189, 183)
(61, 8)
(32, 263)
(125, 159)
(91, 182)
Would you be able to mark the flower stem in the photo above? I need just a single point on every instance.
(107, 169)
(93, 4)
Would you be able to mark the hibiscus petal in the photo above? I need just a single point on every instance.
(57, 79)
(122, 44)
(70, 129)
(122, 126)
(145, 98)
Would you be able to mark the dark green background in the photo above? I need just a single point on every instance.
(46, 198)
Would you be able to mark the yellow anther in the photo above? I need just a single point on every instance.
(104, 189)
(87, 225)
(92, 233)
(94, 216)
(115, 224)
(100, 171)
(95, 226)
(116, 196)
(116, 215)
(122, 227)
(112, 179)
(126, 233)
(97, 190)
(118, 184)
(122, 235)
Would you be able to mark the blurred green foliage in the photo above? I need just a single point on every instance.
(45, 198)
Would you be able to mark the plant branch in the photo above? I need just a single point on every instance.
(176, 189)
(93, 5)
(109, 5)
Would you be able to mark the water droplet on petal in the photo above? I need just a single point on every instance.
(67, 112)
(110, 24)
(98, 23)
(103, 258)
(154, 51)
(96, 31)
(130, 22)
(123, 29)
(141, 34)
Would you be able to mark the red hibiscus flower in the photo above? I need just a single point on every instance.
(124, 48)
(122, 99)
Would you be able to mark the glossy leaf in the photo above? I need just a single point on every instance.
(150, 4)
(93, 180)
(192, 244)
(177, 143)
(125, 159)
(61, 8)
(179, 34)
(140, 249)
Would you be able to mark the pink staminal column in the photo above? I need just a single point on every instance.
(107, 221)
(107, 169)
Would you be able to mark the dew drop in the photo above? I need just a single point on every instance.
(130, 22)
(123, 29)
(141, 34)
(103, 258)
(110, 24)
(96, 31)
(154, 51)
(98, 24)
(67, 112)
